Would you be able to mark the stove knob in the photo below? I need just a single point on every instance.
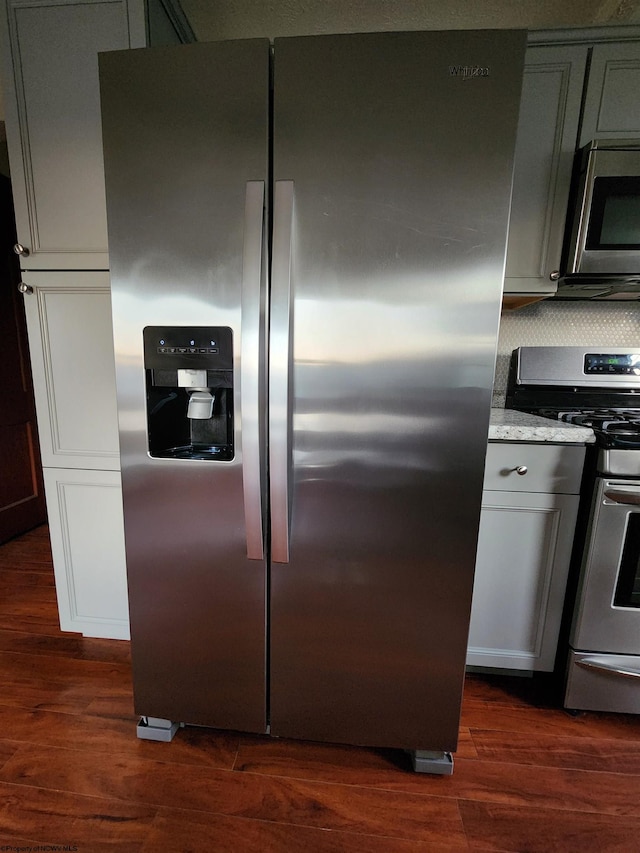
(521, 469)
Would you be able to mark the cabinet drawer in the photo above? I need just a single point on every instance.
(549, 467)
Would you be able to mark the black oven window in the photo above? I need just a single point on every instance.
(614, 221)
(628, 587)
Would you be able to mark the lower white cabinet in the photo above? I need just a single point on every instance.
(87, 541)
(526, 533)
(527, 524)
(71, 347)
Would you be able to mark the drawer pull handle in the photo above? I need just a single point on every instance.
(521, 470)
(622, 497)
(606, 666)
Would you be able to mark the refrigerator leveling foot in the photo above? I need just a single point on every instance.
(436, 763)
(155, 728)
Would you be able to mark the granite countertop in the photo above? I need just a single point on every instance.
(509, 425)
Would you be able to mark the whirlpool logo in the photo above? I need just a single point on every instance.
(469, 72)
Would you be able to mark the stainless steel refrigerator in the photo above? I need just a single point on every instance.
(307, 244)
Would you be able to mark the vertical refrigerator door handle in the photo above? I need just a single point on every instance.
(251, 365)
(280, 370)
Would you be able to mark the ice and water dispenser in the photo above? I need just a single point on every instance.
(189, 379)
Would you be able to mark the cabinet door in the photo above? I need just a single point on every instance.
(547, 133)
(87, 542)
(612, 103)
(71, 345)
(522, 563)
(53, 123)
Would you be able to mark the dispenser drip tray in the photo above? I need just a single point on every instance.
(198, 451)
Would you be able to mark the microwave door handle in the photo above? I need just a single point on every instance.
(280, 368)
(251, 366)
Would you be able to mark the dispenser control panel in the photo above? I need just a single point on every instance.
(164, 350)
(167, 347)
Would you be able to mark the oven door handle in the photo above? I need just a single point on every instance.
(609, 666)
(623, 497)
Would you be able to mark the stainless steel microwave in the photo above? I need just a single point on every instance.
(603, 251)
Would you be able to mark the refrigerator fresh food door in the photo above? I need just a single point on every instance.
(392, 167)
(186, 152)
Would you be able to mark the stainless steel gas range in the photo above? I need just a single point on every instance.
(598, 388)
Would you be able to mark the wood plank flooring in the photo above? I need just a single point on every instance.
(528, 777)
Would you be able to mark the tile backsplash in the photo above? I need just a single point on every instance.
(568, 324)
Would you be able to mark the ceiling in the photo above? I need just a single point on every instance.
(223, 19)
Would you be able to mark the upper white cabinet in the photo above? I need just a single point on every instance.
(574, 90)
(53, 124)
(52, 105)
(612, 98)
(545, 148)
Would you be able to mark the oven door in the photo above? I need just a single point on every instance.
(607, 617)
(603, 672)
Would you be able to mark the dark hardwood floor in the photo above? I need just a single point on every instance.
(528, 776)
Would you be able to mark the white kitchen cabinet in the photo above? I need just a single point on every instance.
(612, 102)
(526, 533)
(545, 147)
(71, 346)
(87, 542)
(52, 104)
(51, 93)
(53, 123)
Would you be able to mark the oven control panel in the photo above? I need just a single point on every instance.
(590, 367)
(612, 364)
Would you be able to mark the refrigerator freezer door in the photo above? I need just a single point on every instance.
(401, 166)
(185, 138)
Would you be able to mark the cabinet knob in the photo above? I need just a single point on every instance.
(521, 470)
(25, 288)
(21, 250)
(555, 275)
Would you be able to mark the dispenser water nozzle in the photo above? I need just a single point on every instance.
(200, 404)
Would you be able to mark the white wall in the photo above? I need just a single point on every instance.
(559, 323)
(225, 19)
